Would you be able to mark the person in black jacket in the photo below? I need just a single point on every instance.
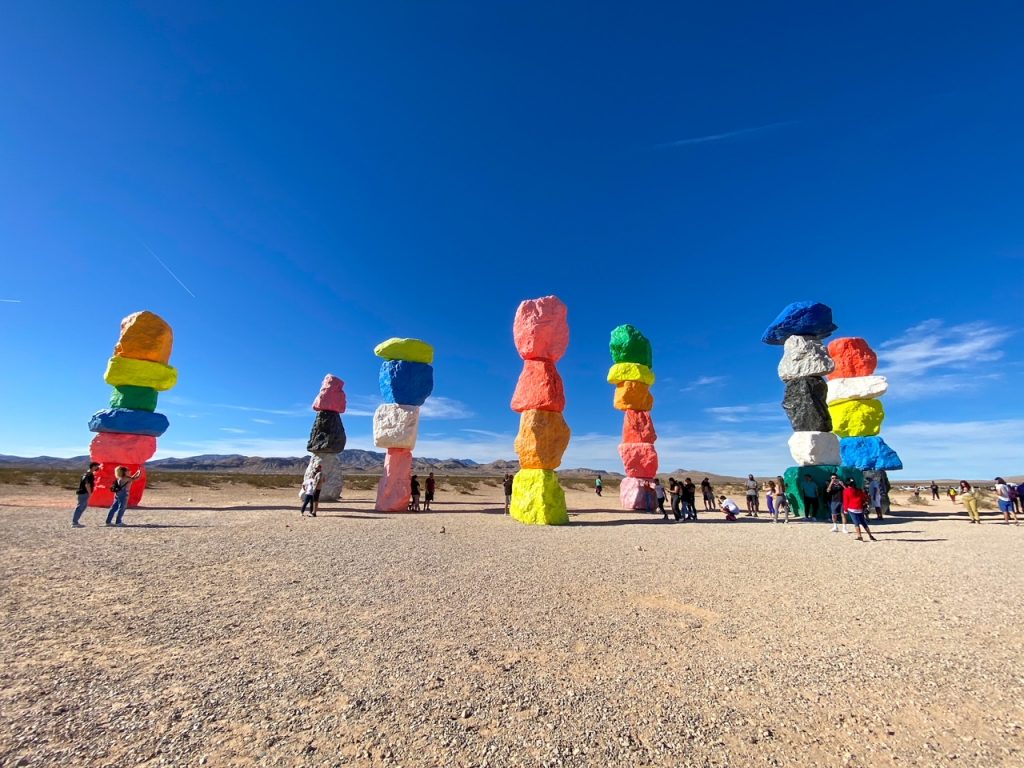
(85, 488)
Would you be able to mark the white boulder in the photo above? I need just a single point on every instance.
(811, 448)
(856, 388)
(395, 426)
(803, 357)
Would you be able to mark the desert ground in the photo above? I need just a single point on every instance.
(219, 628)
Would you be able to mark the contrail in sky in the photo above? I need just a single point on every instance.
(10, 301)
(169, 272)
(727, 135)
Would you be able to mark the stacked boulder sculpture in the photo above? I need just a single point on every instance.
(856, 411)
(327, 437)
(406, 381)
(632, 375)
(541, 334)
(126, 432)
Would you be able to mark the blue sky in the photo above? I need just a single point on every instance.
(319, 179)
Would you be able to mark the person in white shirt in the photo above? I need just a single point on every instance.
(729, 507)
(1005, 502)
(308, 496)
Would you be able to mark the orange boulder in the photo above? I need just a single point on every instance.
(539, 388)
(145, 336)
(633, 396)
(853, 357)
(638, 427)
(542, 439)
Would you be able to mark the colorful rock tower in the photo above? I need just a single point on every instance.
(541, 334)
(632, 375)
(126, 432)
(800, 328)
(327, 438)
(406, 381)
(857, 413)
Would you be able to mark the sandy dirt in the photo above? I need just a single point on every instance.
(229, 631)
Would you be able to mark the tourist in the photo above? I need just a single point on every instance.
(752, 496)
(855, 501)
(809, 494)
(729, 507)
(970, 501)
(951, 492)
(318, 478)
(1002, 490)
(85, 488)
(675, 496)
(883, 479)
(935, 491)
(122, 482)
(875, 495)
(835, 489)
(650, 497)
(1020, 495)
(429, 495)
(709, 495)
(414, 487)
(507, 485)
(598, 486)
(689, 500)
(659, 495)
(308, 491)
(1014, 497)
(769, 497)
(781, 502)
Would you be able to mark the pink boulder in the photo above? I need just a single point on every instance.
(638, 427)
(639, 459)
(332, 395)
(540, 329)
(637, 493)
(539, 388)
(120, 448)
(394, 490)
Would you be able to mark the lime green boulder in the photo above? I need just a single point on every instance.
(628, 345)
(820, 474)
(134, 398)
(857, 418)
(621, 372)
(123, 371)
(537, 498)
(412, 350)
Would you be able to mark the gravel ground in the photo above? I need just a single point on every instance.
(228, 631)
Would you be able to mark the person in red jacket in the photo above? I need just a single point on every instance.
(855, 502)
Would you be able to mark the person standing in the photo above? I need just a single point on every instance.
(708, 492)
(970, 501)
(122, 482)
(507, 485)
(308, 493)
(781, 501)
(659, 496)
(935, 491)
(752, 496)
(85, 488)
(856, 501)
(675, 496)
(318, 486)
(809, 494)
(769, 498)
(834, 490)
(428, 496)
(598, 486)
(689, 500)
(1005, 504)
(875, 495)
(414, 487)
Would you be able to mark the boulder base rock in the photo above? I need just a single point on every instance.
(857, 418)
(413, 350)
(541, 329)
(633, 396)
(805, 404)
(395, 426)
(327, 435)
(101, 495)
(621, 372)
(128, 422)
(628, 345)
(330, 470)
(145, 336)
(537, 498)
(394, 489)
(116, 448)
(331, 396)
(853, 357)
(539, 388)
(639, 459)
(636, 493)
(638, 427)
(820, 475)
(804, 356)
(135, 398)
(123, 371)
(868, 454)
(856, 388)
(801, 318)
(812, 448)
(542, 439)
(405, 382)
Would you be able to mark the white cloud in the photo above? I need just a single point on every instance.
(445, 408)
(262, 421)
(233, 430)
(745, 413)
(966, 449)
(704, 381)
(295, 410)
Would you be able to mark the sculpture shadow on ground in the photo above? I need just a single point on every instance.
(231, 508)
(160, 525)
(353, 517)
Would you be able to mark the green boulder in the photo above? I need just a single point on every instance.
(135, 398)
(628, 345)
(820, 474)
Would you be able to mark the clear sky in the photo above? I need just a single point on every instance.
(319, 177)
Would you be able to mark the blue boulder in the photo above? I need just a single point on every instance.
(801, 318)
(868, 453)
(129, 421)
(405, 382)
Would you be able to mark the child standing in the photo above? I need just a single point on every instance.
(122, 482)
(856, 503)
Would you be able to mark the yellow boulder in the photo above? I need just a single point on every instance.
(633, 396)
(621, 372)
(412, 350)
(145, 336)
(129, 372)
(857, 418)
(537, 498)
(542, 439)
